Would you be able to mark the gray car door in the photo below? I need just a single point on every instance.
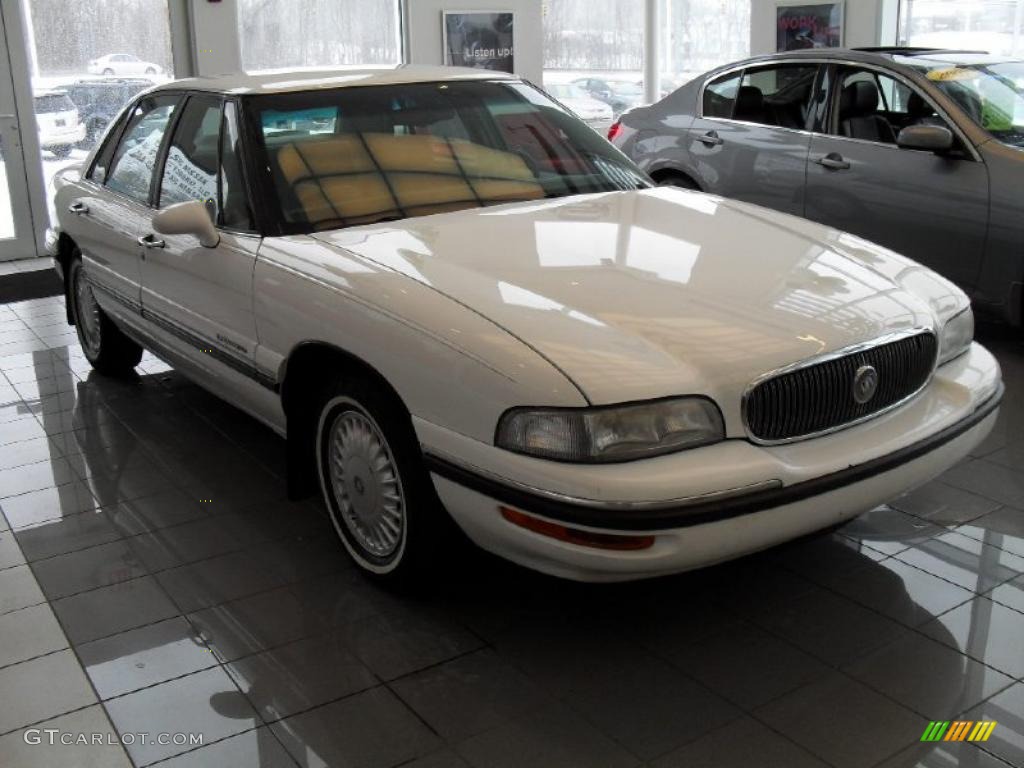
(930, 207)
(749, 140)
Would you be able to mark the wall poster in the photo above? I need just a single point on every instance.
(479, 39)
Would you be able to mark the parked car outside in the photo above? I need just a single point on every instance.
(620, 95)
(99, 101)
(458, 303)
(918, 150)
(60, 129)
(122, 64)
(594, 113)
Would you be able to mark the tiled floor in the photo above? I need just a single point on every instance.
(153, 579)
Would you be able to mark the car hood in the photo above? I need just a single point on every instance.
(637, 295)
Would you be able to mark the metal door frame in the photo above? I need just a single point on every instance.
(21, 141)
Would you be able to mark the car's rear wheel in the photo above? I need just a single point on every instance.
(108, 71)
(680, 180)
(106, 348)
(377, 491)
(150, 71)
(62, 150)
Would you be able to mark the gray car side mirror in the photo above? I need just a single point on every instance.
(188, 218)
(929, 138)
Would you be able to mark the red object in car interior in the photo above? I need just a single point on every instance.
(614, 130)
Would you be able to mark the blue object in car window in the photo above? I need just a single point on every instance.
(319, 120)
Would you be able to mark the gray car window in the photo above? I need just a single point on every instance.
(776, 95)
(873, 106)
(720, 96)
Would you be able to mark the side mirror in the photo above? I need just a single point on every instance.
(188, 218)
(930, 138)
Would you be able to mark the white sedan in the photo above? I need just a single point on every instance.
(122, 64)
(459, 303)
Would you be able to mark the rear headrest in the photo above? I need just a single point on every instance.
(858, 99)
(749, 100)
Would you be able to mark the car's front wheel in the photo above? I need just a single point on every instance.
(377, 491)
(106, 348)
(108, 71)
(62, 150)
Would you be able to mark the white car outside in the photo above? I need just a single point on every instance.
(60, 129)
(593, 112)
(121, 64)
(458, 303)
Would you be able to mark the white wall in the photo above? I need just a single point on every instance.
(868, 22)
(423, 31)
(215, 36)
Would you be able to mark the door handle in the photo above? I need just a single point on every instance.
(78, 208)
(833, 161)
(710, 139)
(150, 241)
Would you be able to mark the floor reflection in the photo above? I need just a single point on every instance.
(153, 518)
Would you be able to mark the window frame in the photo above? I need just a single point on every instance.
(158, 172)
(820, 64)
(161, 150)
(963, 148)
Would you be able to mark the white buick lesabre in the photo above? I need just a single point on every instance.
(457, 302)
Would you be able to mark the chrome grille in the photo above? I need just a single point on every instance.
(819, 397)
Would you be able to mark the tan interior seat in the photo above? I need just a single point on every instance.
(358, 177)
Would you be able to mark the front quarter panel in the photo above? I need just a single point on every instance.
(450, 366)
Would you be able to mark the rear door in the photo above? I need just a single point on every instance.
(749, 140)
(113, 205)
(930, 207)
(203, 296)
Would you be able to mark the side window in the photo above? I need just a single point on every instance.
(720, 96)
(234, 205)
(875, 107)
(190, 171)
(131, 168)
(777, 96)
(98, 172)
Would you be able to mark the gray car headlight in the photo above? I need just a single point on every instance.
(613, 433)
(956, 336)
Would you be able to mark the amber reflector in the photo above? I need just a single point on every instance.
(575, 535)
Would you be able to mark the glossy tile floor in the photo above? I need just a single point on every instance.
(155, 581)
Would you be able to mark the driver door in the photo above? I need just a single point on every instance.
(203, 296)
(932, 208)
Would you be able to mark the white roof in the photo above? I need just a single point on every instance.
(305, 79)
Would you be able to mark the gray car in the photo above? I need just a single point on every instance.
(919, 150)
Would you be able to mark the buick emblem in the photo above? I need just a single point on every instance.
(865, 383)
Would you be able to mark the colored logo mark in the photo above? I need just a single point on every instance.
(958, 730)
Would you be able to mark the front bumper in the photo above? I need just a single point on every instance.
(752, 497)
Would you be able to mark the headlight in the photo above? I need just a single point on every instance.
(615, 433)
(956, 336)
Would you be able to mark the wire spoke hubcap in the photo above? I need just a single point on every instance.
(366, 484)
(88, 315)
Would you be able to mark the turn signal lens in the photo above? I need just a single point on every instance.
(576, 535)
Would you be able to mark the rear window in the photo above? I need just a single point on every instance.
(53, 102)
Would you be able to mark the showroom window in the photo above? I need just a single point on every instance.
(994, 26)
(88, 59)
(698, 35)
(318, 33)
(599, 44)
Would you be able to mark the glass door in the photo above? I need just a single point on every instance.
(17, 239)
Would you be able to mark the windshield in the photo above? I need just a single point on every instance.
(366, 154)
(992, 94)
